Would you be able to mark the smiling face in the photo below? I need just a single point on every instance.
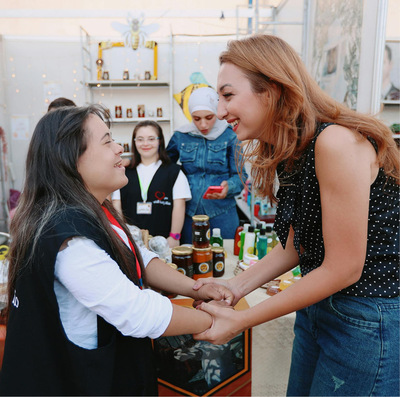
(100, 165)
(204, 120)
(147, 143)
(239, 105)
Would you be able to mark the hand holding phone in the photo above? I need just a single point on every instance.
(211, 190)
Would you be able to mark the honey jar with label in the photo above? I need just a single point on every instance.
(182, 257)
(200, 231)
(202, 262)
(218, 261)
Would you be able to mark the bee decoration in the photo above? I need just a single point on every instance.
(135, 32)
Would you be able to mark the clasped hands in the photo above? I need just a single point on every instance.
(217, 298)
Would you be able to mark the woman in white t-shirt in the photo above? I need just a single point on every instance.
(154, 199)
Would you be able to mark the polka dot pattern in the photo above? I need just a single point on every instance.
(300, 206)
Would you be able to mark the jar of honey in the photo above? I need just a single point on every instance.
(218, 261)
(202, 262)
(182, 257)
(200, 231)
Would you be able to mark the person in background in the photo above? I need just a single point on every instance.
(60, 102)
(80, 315)
(156, 194)
(337, 217)
(209, 152)
(389, 90)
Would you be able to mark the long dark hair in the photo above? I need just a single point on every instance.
(297, 104)
(162, 152)
(53, 184)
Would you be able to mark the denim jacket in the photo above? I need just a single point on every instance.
(206, 163)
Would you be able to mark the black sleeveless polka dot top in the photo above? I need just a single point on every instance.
(300, 206)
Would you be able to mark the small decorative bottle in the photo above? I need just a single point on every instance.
(242, 237)
(236, 243)
(262, 244)
(249, 239)
(216, 239)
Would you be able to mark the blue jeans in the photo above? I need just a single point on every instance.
(227, 222)
(346, 346)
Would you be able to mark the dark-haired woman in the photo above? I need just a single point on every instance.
(79, 313)
(156, 194)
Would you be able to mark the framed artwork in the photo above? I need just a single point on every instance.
(390, 89)
(345, 52)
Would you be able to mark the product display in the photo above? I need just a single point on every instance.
(200, 231)
(182, 257)
(242, 236)
(202, 262)
(262, 244)
(218, 261)
(249, 241)
(216, 239)
(140, 110)
(118, 112)
(236, 243)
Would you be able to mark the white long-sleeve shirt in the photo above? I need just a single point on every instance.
(88, 282)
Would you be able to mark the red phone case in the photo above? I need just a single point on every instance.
(212, 189)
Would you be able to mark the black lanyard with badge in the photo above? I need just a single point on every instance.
(143, 208)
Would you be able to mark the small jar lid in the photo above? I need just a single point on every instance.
(200, 218)
(182, 250)
(202, 249)
(218, 249)
(249, 257)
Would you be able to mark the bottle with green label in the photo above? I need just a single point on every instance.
(242, 236)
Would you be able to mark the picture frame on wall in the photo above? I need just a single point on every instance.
(390, 89)
(345, 51)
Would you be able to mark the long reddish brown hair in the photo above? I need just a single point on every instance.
(297, 104)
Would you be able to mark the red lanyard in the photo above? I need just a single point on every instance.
(114, 222)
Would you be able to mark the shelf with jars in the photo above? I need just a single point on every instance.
(128, 82)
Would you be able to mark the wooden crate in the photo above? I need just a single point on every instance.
(192, 368)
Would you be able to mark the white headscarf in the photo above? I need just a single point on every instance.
(204, 98)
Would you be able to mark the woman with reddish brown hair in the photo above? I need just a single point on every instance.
(337, 217)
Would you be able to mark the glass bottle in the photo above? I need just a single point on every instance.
(200, 231)
(216, 239)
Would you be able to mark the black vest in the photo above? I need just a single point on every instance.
(38, 357)
(158, 223)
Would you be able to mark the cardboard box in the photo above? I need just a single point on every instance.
(195, 368)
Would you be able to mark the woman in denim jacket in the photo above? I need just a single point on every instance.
(208, 150)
